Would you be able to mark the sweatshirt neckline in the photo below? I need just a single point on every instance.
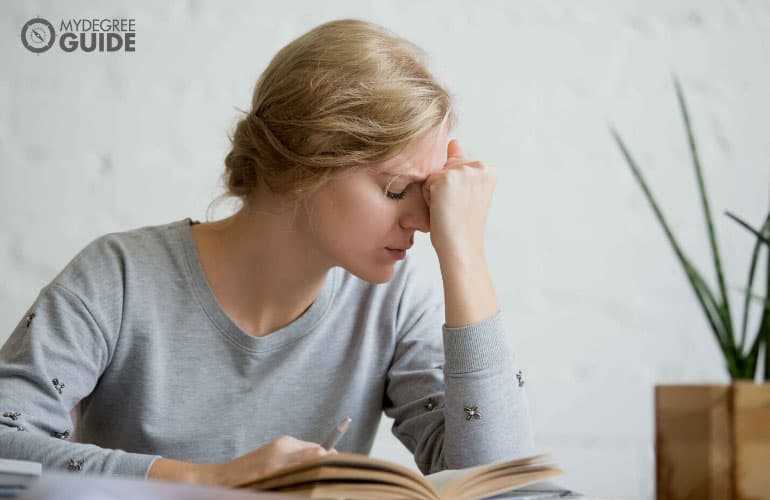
(277, 339)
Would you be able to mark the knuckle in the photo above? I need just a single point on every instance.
(283, 440)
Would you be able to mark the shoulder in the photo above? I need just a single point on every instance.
(105, 262)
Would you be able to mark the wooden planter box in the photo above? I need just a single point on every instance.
(712, 441)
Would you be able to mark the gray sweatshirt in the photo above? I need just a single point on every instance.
(131, 331)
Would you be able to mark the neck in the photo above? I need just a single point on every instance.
(262, 267)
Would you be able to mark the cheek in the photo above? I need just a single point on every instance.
(370, 215)
(365, 217)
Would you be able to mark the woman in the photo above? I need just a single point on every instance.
(213, 353)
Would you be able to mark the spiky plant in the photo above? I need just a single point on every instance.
(741, 359)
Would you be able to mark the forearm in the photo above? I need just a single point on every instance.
(279, 453)
(469, 294)
(60, 454)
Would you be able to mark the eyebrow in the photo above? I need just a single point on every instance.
(408, 176)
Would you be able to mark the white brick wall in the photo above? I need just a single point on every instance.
(596, 304)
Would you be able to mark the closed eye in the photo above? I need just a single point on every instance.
(396, 196)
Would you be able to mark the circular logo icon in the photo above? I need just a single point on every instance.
(38, 35)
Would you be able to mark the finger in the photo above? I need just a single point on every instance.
(459, 162)
(454, 150)
(289, 443)
(308, 454)
(306, 444)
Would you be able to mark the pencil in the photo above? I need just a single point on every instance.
(336, 434)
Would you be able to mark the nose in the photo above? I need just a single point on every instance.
(415, 214)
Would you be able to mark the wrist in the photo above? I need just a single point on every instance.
(183, 472)
(467, 249)
(468, 261)
(469, 295)
(207, 474)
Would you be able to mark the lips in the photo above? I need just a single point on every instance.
(405, 247)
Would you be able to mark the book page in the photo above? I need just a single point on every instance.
(359, 491)
(465, 484)
(335, 477)
(441, 480)
(455, 478)
(343, 459)
(507, 483)
(344, 472)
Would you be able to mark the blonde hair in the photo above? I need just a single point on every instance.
(346, 94)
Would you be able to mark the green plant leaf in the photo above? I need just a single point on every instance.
(766, 333)
(752, 358)
(752, 271)
(757, 233)
(763, 337)
(762, 340)
(710, 306)
(758, 299)
(725, 303)
(764, 326)
(706, 299)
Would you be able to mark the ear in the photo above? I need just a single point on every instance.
(454, 150)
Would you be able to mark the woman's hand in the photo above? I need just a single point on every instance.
(280, 453)
(458, 197)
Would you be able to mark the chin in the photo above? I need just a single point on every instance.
(374, 274)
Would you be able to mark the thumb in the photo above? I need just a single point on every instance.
(454, 150)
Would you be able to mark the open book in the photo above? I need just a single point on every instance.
(354, 476)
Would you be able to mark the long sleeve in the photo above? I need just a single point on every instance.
(456, 394)
(52, 361)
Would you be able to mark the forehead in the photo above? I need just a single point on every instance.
(419, 159)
